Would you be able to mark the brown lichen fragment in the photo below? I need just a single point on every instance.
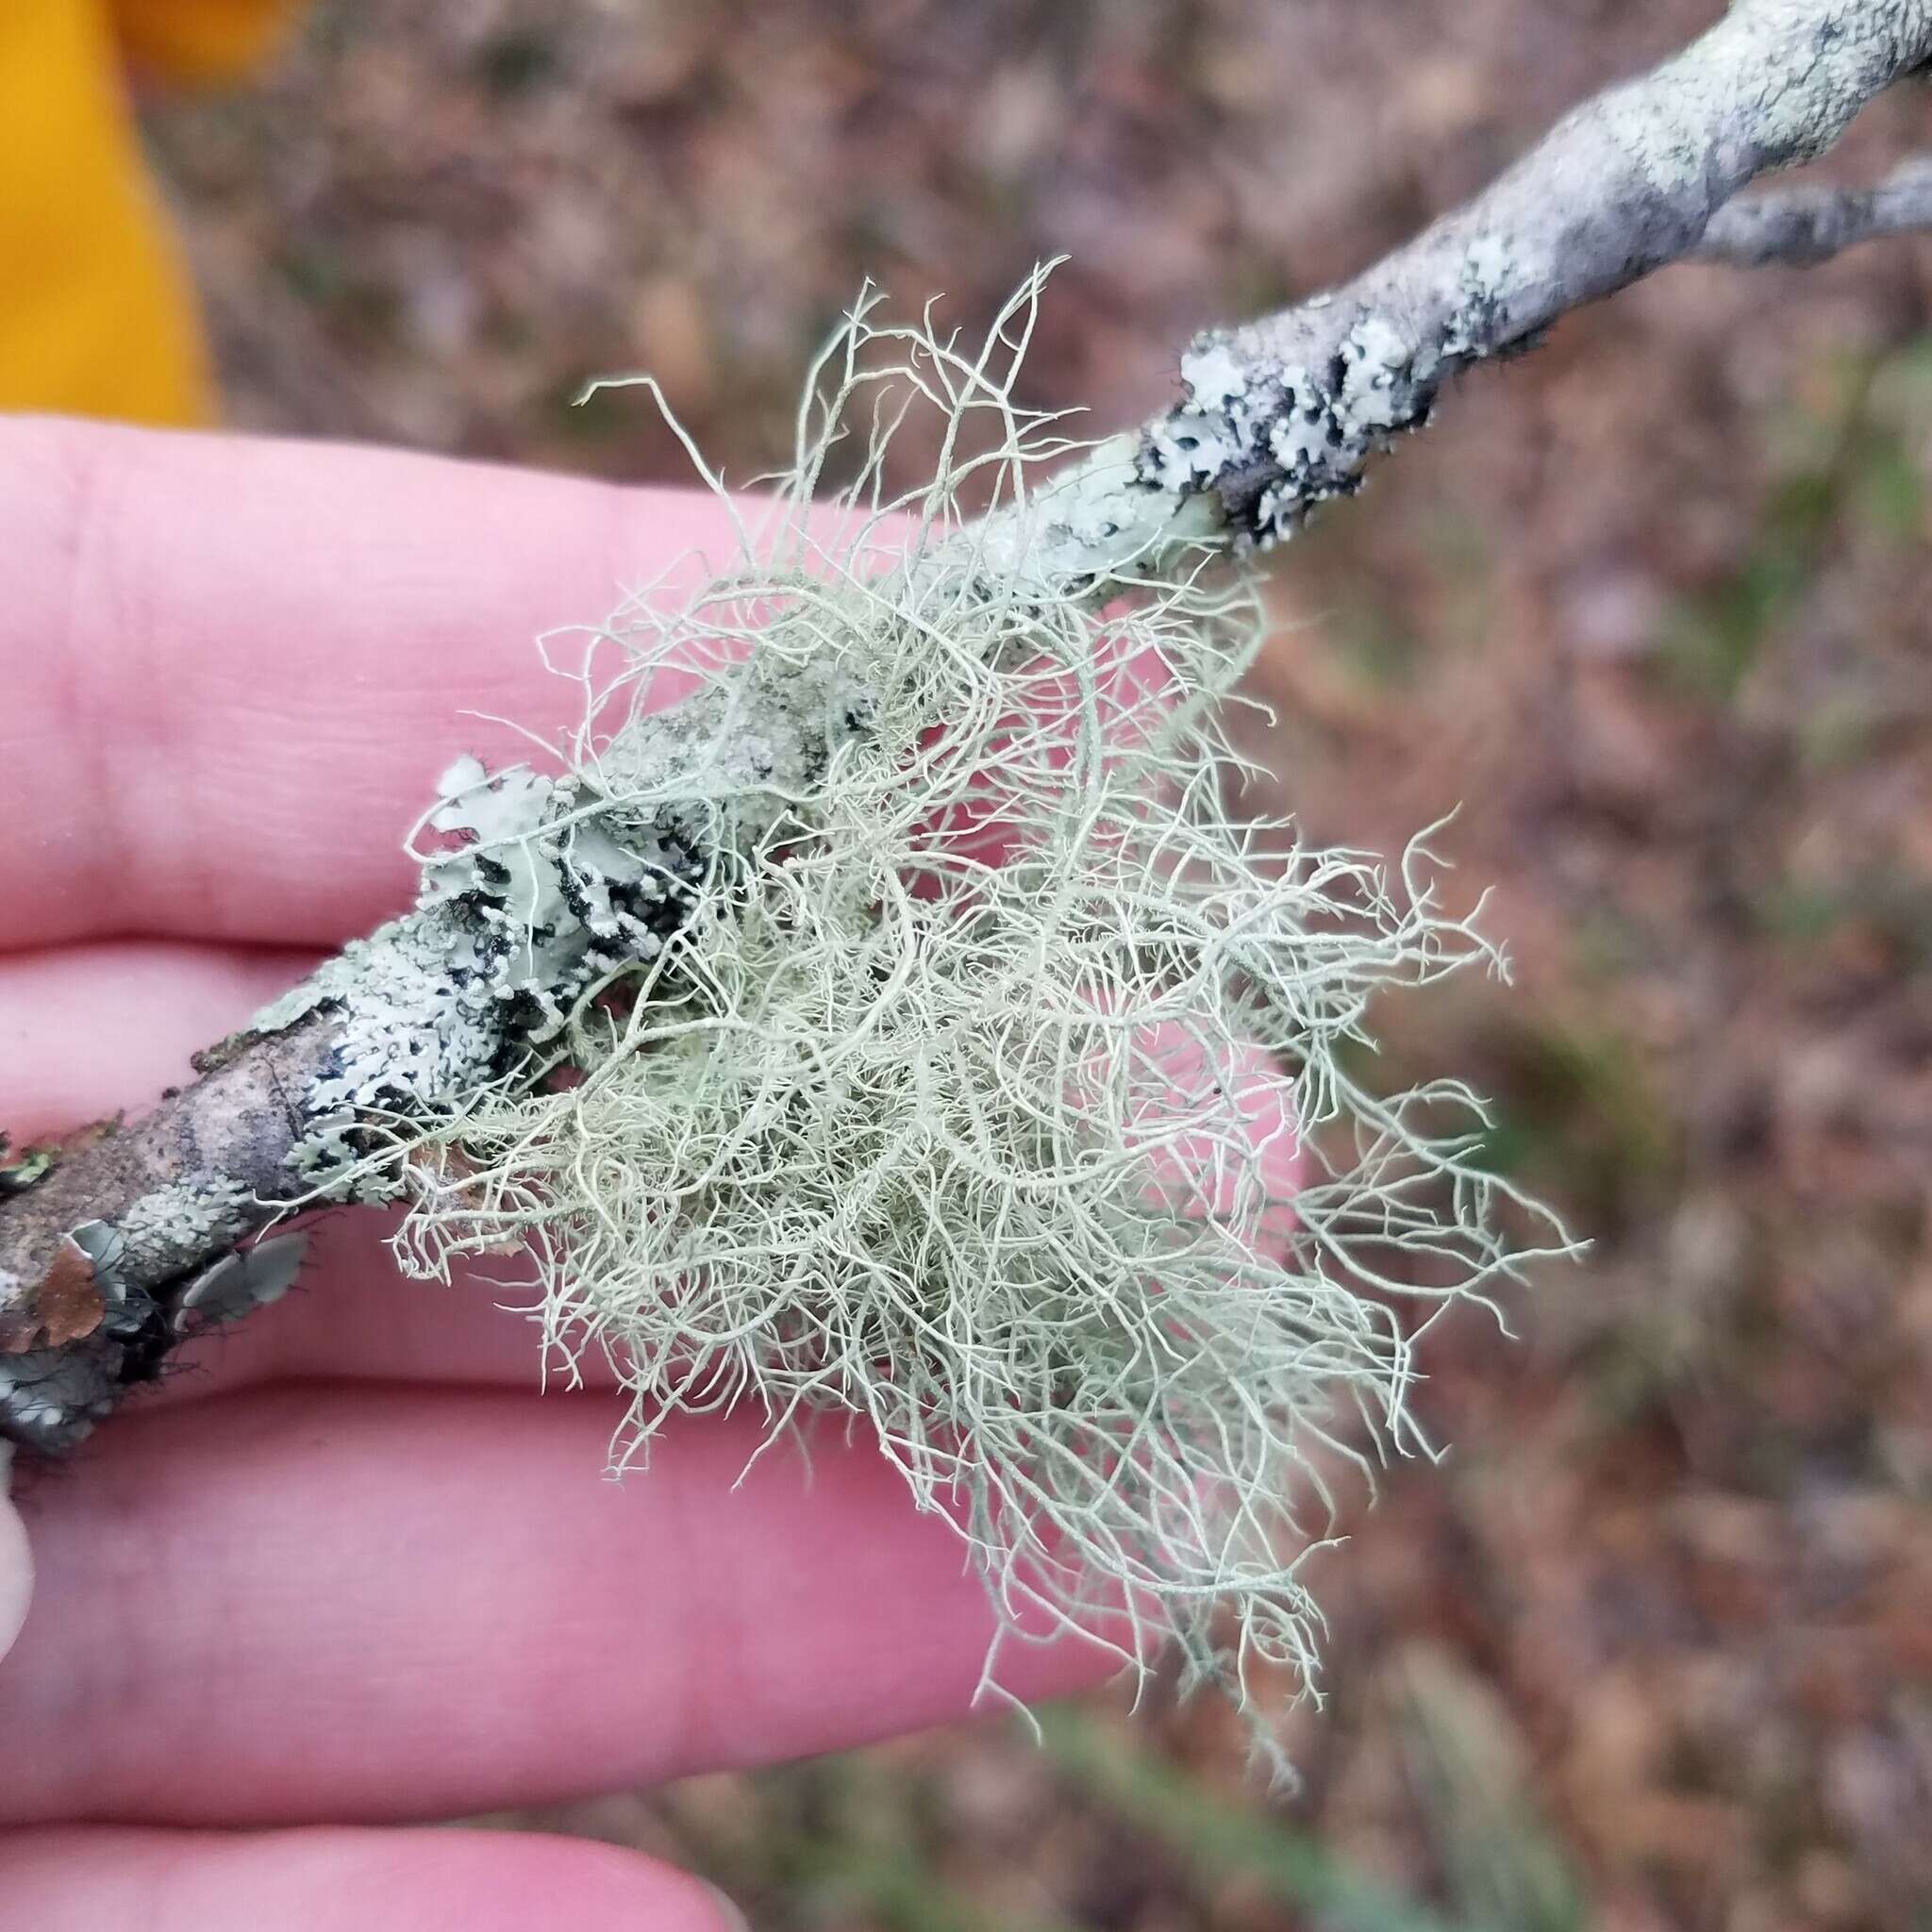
(439, 1171)
(63, 1306)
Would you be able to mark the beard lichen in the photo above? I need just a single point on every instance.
(930, 1040)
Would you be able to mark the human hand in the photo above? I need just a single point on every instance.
(350, 1571)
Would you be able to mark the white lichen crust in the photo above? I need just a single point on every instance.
(1309, 432)
(418, 1022)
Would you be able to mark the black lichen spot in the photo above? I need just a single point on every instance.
(144, 1332)
(570, 886)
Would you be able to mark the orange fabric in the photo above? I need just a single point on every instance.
(96, 314)
(198, 39)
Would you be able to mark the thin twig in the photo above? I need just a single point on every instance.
(1799, 227)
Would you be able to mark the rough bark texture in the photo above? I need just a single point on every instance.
(203, 1170)
(107, 1259)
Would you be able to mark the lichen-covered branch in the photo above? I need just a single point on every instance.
(551, 889)
(126, 1241)
(120, 1246)
(1286, 414)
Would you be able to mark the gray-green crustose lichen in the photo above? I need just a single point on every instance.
(167, 1231)
(1278, 439)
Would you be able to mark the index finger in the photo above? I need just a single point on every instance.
(329, 1602)
(233, 668)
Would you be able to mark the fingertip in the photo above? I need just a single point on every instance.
(729, 1917)
(333, 1880)
(16, 1559)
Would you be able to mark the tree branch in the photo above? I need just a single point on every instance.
(1801, 226)
(1286, 414)
(103, 1260)
(127, 1244)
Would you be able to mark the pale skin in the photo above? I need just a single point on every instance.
(351, 1569)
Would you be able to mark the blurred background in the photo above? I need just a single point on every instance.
(1651, 1648)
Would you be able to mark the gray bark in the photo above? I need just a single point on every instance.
(1803, 226)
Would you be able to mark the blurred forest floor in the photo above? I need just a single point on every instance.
(1652, 1647)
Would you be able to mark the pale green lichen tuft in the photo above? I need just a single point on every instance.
(997, 1083)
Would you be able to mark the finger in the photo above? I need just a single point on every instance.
(327, 1603)
(235, 668)
(88, 1031)
(16, 1560)
(80, 1880)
